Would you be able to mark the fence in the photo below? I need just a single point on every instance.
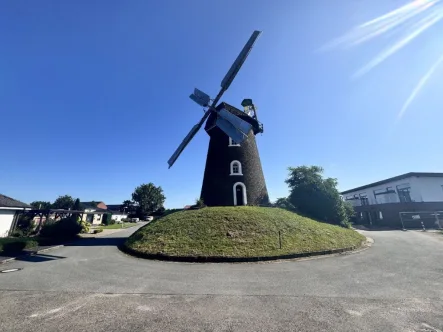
(422, 219)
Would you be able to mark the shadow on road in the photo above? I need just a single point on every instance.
(38, 258)
(98, 241)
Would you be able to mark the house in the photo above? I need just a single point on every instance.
(404, 201)
(117, 214)
(99, 209)
(9, 212)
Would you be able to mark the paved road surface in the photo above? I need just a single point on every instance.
(397, 285)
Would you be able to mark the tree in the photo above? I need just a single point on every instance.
(149, 198)
(65, 202)
(284, 203)
(315, 196)
(127, 206)
(76, 206)
(41, 205)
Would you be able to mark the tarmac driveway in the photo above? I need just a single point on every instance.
(397, 285)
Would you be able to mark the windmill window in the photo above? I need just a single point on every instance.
(233, 143)
(236, 168)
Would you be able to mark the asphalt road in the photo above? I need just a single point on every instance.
(396, 285)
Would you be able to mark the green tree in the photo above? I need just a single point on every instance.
(65, 202)
(127, 206)
(315, 196)
(42, 205)
(284, 203)
(76, 206)
(149, 198)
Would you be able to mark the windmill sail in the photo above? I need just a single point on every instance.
(232, 125)
(227, 127)
(227, 80)
(240, 124)
(187, 139)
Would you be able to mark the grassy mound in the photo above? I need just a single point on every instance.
(239, 232)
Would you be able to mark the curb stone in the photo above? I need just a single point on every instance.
(220, 259)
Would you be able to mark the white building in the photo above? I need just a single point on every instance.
(9, 210)
(406, 188)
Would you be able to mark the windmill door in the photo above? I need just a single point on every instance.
(239, 195)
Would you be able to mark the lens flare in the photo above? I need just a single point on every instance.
(412, 19)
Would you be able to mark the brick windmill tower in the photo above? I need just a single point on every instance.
(233, 173)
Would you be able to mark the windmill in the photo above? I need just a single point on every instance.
(233, 172)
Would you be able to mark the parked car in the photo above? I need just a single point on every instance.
(149, 218)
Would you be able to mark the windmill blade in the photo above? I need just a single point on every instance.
(227, 127)
(227, 80)
(200, 98)
(233, 126)
(187, 139)
(238, 123)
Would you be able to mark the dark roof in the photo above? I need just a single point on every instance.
(89, 205)
(395, 178)
(114, 207)
(6, 201)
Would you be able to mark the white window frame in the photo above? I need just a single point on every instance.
(245, 197)
(231, 142)
(240, 170)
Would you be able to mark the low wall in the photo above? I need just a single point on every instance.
(390, 214)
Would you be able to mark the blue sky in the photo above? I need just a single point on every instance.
(94, 94)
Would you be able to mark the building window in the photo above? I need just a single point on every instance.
(404, 193)
(236, 168)
(233, 143)
(364, 200)
(387, 195)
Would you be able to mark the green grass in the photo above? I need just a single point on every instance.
(239, 232)
(118, 226)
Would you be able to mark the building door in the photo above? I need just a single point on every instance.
(239, 194)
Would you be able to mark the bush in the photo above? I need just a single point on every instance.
(284, 203)
(107, 219)
(25, 226)
(65, 228)
(199, 203)
(12, 245)
(84, 225)
(316, 197)
(99, 230)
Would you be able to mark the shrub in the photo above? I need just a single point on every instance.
(98, 230)
(62, 229)
(315, 196)
(199, 203)
(284, 203)
(84, 225)
(16, 245)
(107, 219)
(25, 226)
